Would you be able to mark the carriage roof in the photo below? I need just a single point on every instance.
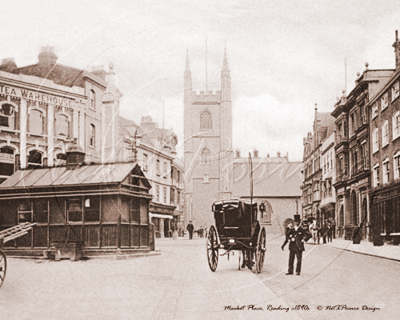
(236, 203)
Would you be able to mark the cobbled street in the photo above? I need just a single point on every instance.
(178, 284)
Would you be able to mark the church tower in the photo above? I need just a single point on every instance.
(208, 151)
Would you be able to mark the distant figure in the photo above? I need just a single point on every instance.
(357, 235)
(334, 228)
(190, 228)
(314, 231)
(205, 230)
(296, 237)
(329, 232)
(200, 232)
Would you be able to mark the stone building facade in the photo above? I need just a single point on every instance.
(314, 157)
(384, 127)
(46, 107)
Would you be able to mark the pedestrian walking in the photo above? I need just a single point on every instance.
(314, 231)
(329, 232)
(190, 228)
(205, 230)
(296, 237)
(200, 232)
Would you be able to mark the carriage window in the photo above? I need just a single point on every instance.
(74, 209)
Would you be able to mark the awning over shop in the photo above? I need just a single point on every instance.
(161, 216)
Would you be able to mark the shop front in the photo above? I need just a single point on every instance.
(385, 213)
(162, 217)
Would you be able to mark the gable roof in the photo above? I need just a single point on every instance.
(271, 178)
(64, 177)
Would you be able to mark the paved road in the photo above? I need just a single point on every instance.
(179, 285)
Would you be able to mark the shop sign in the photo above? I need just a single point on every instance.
(6, 158)
(40, 97)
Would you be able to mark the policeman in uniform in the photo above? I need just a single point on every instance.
(296, 237)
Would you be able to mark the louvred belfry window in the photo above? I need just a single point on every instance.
(205, 120)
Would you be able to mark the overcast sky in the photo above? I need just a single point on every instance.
(284, 56)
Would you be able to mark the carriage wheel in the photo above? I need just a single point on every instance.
(260, 250)
(3, 267)
(212, 249)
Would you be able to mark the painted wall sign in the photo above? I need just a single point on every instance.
(39, 97)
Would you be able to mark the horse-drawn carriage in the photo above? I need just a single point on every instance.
(237, 227)
(8, 235)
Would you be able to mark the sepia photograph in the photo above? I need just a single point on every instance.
(176, 159)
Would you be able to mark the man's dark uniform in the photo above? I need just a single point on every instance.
(296, 247)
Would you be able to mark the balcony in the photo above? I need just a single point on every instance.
(340, 139)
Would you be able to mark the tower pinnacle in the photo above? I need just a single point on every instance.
(225, 66)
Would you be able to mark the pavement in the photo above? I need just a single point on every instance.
(387, 251)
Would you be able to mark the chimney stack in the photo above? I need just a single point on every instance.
(47, 56)
(8, 65)
(396, 46)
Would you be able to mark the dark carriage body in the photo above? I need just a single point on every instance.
(236, 223)
(237, 227)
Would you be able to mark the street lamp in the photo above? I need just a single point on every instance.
(135, 144)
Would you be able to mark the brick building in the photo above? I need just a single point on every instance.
(352, 148)
(384, 128)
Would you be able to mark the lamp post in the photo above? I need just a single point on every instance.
(134, 144)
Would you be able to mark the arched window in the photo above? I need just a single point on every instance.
(341, 216)
(205, 156)
(62, 125)
(36, 121)
(92, 99)
(354, 203)
(7, 114)
(7, 161)
(92, 136)
(205, 120)
(34, 159)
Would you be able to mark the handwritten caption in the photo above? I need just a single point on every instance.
(304, 307)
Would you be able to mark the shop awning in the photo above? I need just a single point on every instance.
(162, 216)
